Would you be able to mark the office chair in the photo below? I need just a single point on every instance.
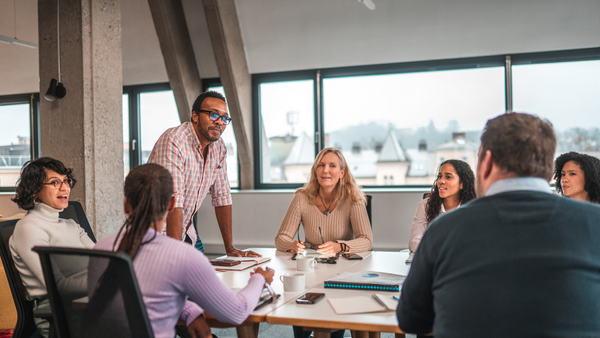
(25, 326)
(368, 206)
(75, 212)
(115, 307)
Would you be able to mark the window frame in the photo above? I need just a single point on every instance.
(33, 99)
(318, 75)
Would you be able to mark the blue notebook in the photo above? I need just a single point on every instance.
(367, 280)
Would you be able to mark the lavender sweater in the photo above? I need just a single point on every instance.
(168, 271)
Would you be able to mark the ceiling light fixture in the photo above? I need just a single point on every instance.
(368, 3)
(15, 40)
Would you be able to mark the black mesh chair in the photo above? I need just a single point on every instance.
(75, 212)
(25, 326)
(115, 307)
(368, 205)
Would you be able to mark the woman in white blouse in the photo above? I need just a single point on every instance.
(455, 185)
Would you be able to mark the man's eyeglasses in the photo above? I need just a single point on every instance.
(214, 116)
(57, 184)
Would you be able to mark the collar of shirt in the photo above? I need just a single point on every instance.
(519, 184)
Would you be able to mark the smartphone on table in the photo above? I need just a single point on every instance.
(224, 262)
(352, 256)
(310, 298)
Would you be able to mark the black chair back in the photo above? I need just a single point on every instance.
(115, 307)
(25, 326)
(75, 212)
(368, 205)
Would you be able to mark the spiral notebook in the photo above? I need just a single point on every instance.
(367, 280)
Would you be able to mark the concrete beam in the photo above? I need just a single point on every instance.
(177, 51)
(84, 129)
(226, 38)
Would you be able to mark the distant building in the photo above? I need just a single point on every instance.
(393, 162)
(296, 167)
(459, 148)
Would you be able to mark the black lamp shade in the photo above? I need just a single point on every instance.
(56, 90)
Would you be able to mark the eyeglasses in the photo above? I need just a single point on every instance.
(57, 184)
(214, 116)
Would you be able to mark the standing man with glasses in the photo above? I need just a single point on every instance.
(196, 156)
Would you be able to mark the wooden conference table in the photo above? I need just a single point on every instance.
(320, 316)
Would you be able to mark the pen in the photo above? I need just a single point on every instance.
(322, 240)
(396, 298)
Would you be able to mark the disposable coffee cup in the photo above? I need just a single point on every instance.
(304, 263)
(292, 281)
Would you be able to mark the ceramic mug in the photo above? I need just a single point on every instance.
(292, 281)
(304, 263)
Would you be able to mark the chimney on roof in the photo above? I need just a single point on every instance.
(378, 146)
(422, 145)
(457, 136)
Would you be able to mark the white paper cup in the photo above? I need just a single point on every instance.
(292, 281)
(304, 263)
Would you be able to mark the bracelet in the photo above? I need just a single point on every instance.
(344, 247)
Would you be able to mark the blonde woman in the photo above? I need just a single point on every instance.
(331, 208)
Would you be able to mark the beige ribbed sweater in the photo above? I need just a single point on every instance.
(348, 223)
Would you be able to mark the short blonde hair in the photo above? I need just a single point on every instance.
(346, 188)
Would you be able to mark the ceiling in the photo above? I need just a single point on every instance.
(282, 35)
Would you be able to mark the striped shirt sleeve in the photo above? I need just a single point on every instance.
(167, 154)
(220, 191)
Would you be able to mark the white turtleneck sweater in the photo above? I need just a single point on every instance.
(42, 227)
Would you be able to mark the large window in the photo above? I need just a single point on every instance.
(287, 135)
(17, 145)
(568, 95)
(396, 123)
(396, 129)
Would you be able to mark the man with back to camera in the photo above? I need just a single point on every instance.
(518, 261)
(196, 156)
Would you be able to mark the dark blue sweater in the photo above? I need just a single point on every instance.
(516, 264)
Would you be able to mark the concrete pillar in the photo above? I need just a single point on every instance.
(85, 129)
(228, 45)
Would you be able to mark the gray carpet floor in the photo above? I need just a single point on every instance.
(274, 331)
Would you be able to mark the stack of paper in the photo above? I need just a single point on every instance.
(378, 302)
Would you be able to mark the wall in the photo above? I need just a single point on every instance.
(8, 207)
(257, 216)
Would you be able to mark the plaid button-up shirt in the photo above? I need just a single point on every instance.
(179, 151)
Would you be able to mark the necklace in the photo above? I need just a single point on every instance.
(327, 212)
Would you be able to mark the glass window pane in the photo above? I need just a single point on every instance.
(566, 94)
(287, 115)
(158, 112)
(395, 129)
(229, 137)
(126, 134)
(15, 139)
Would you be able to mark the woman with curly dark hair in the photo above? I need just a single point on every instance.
(43, 190)
(578, 176)
(455, 185)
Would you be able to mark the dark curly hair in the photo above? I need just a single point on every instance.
(591, 169)
(197, 106)
(467, 193)
(33, 175)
